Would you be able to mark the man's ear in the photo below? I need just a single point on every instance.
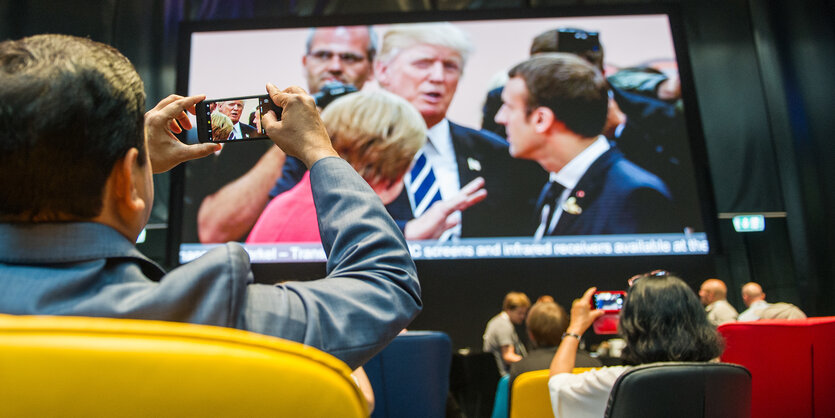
(126, 175)
(381, 72)
(544, 120)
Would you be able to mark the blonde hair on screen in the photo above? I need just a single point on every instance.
(377, 132)
(400, 37)
(221, 126)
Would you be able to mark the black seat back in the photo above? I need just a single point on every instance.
(682, 390)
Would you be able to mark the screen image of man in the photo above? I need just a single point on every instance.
(554, 107)
(341, 54)
(423, 63)
(233, 109)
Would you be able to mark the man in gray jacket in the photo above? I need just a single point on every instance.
(76, 159)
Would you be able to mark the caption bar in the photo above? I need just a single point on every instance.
(474, 248)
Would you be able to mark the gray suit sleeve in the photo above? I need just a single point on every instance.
(371, 291)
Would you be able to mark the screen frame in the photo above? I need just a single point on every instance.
(692, 116)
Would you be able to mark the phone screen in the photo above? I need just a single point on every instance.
(233, 119)
(609, 301)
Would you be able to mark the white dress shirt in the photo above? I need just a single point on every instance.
(236, 129)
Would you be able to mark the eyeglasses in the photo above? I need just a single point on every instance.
(346, 57)
(654, 273)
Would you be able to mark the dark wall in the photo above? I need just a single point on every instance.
(761, 74)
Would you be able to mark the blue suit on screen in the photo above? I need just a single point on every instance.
(615, 196)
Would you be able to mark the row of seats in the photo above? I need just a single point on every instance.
(102, 367)
(115, 367)
(792, 364)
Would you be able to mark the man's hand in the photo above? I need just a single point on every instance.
(300, 132)
(167, 118)
(432, 223)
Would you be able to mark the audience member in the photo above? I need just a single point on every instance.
(754, 299)
(500, 337)
(661, 320)
(231, 208)
(546, 323)
(554, 108)
(423, 64)
(713, 294)
(69, 219)
(378, 133)
(545, 298)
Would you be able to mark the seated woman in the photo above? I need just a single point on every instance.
(378, 133)
(662, 320)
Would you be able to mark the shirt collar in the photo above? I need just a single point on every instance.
(572, 172)
(440, 138)
(63, 242)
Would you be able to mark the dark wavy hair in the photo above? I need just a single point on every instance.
(69, 109)
(663, 320)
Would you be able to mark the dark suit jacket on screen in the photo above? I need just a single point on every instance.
(247, 130)
(512, 186)
(616, 196)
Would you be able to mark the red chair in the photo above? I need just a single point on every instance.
(792, 364)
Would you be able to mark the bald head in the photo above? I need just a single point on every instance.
(712, 290)
(752, 292)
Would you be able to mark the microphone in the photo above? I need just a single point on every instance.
(331, 91)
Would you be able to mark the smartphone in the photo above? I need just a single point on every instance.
(233, 119)
(608, 300)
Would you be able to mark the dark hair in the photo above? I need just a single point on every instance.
(574, 90)
(70, 108)
(546, 321)
(663, 320)
(583, 43)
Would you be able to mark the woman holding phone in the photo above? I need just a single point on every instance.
(662, 320)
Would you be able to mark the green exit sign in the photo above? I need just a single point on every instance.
(749, 223)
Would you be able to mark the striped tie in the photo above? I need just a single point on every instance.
(421, 184)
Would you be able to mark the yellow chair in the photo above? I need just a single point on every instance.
(99, 367)
(529, 396)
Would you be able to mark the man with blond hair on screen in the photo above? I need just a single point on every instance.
(423, 63)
